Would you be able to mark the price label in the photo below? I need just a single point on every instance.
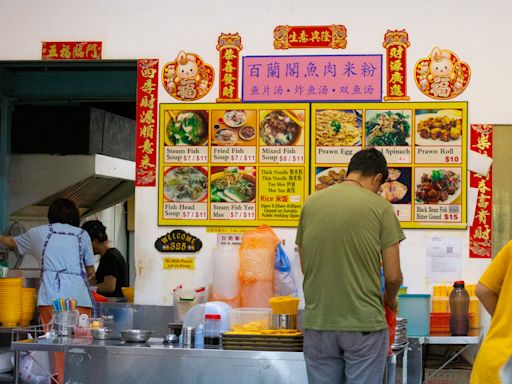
(451, 216)
(291, 158)
(452, 159)
(242, 158)
(239, 215)
(193, 215)
(197, 158)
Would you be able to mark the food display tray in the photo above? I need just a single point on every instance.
(263, 342)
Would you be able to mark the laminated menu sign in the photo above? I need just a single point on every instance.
(233, 164)
(424, 145)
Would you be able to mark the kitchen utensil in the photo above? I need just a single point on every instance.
(171, 338)
(101, 333)
(188, 334)
(281, 321)
(136, 335)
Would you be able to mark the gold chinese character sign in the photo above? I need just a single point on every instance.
(396, 44)
(319, 36)
(229, 47)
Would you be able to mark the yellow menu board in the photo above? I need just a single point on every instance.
(233, 164)
(425, 145)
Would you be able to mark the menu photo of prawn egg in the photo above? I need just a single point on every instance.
(397, 187)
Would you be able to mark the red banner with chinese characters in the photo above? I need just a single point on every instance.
(147, 104)
(229, 47)
(71, 50)
(480, 232)
(396, 44)
(317, 36)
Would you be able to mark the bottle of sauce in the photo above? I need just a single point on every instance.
(459, 310)
(212, 330)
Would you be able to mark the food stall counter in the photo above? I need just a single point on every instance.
(114, 361)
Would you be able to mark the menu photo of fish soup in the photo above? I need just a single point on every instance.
(185, 192)
(281, 136)
(438, 194)
(233, 136)
(233, 193)
(185, 136)
(390, 132)
(397, 190)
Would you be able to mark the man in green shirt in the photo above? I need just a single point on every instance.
(346, 233)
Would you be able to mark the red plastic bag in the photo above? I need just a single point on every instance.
(391, 320)
(98, 298)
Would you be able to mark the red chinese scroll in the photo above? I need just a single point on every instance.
(229, 47)
(396, 44)
(319, 36)
(480, 232)
(71, 50)
(146, 131)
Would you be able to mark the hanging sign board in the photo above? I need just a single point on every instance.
(312, 78)
(480, 232)
(311, 36)
(424, 145)
(178, 241)
(146, 128)
(71, 50)
(233, 164)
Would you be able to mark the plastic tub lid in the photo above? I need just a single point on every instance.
(414, 295)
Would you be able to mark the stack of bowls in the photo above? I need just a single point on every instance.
(10, 301)
(28, 306)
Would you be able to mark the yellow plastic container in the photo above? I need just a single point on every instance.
(440, 304)
(474, 308)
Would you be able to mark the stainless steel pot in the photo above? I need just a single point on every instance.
(136, 335)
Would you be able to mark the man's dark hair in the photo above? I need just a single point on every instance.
(96, 230)
(64, 211)
(369, 162)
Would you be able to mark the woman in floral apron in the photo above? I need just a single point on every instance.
(67, 260)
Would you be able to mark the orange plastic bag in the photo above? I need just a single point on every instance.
(257, 256)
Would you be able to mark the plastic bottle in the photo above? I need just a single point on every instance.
(212, 330)
(459, 310)
(199, 336)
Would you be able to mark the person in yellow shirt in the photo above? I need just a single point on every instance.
(495, 291)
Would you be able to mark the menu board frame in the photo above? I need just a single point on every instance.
(433, 160)
(279, 169)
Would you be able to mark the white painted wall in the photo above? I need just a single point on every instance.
(477, 31)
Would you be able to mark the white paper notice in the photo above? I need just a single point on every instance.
(443, 259)
(479, 163)
(472, 200)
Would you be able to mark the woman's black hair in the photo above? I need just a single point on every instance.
(64, 211)
(369, 162)
(96, 230)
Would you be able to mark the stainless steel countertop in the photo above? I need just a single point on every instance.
(152, 347)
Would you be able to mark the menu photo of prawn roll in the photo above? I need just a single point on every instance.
(386, 128)
(233, 184)
(233, 127)
(185, 184)
(338, 128)
(437, 185)
(397, 187)
(327, 176)
(281, 127)
(438, 127)
(186, 127)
